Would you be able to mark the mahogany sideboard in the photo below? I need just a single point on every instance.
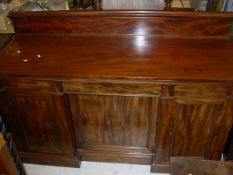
(118, 86)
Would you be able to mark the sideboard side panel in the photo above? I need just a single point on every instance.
(176, 25)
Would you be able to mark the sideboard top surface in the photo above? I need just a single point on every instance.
(70, 56)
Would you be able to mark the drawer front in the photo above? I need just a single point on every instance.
(34, 86)
(198, 90)
(111, 88)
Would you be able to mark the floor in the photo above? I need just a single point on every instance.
(91, 168)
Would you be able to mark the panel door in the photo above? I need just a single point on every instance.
(38, 119)
(194, 121)
(114, 122)
(201, 127)
(43, 121)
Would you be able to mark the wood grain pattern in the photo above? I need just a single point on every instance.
(220, 134)
(28, 85)
(39, 123)
(124, 126)
(191, 25)
(111, 88)
(11, 121)
(197, 89)
(142, 58)
(203, 90)
(164, 134)
(110, 126)
(39, 134)
(185, 120)
(114, 125)
(120, 86)
(196, 123)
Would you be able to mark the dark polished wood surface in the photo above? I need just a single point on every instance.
(36, 116)
(55, 56)
(156, 23)
(184, 166)
(114, 86)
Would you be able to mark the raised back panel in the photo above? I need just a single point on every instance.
(166, 24)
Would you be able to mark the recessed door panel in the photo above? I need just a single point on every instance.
(195, 126)
(42, 119)
(114, 120)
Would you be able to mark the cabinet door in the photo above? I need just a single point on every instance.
(194, 121)
(114, 121)
(200, 127)
(39, 122)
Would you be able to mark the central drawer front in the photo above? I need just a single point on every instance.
(51, 87)
(111, 88)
